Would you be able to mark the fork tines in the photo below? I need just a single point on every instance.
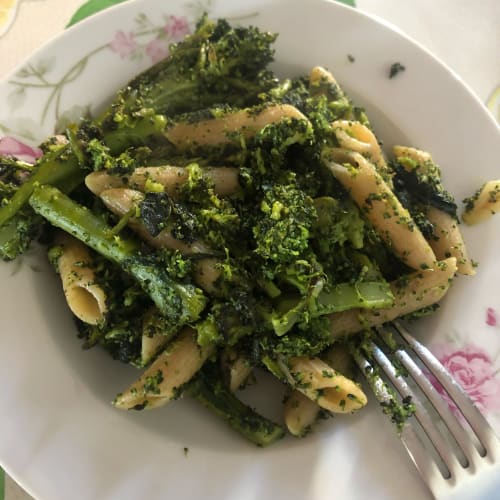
(451, 444)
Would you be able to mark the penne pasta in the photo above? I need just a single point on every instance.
(411, 293)
(483, 204)
(419, 156)
(237, 368)
(447, 240)
(319, 75)
(121, 201)
(224, 179)
(217, 131)
(85, 298)
(100, 181)
(305, 235)
(163, 380)
(206, 271)
(154, 337)
(357, 137)
(381, 207)
(300, 413)
(328, 388)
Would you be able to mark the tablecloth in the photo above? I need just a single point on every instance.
(464, 34)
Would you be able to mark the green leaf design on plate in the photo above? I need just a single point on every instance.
(352, 3)
(91, 7)
(2, 484)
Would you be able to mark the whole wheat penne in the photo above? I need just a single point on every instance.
(85, 298)
(483, 204)
(154, 338)
(121, 200)
(411, 293)
(447, 240)
(205, 272)
(419, 156)
(339, 358)
(100, 181)
(328, 388)
(376, 200)
(171, 178)
(300, 413)
(355, 136)
(173, 368)
(319, 74)
(217, 131)
(236, 367)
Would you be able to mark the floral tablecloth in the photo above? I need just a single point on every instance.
(462, 33)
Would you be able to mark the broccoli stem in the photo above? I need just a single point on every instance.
(338, 298)
(211, 393)
(179, 302)
(56, 168)
(344, 296)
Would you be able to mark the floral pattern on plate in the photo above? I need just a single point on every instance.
(475, 369)
(147, 40)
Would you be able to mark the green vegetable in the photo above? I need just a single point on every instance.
(180, 302)
(218, 63)
(209, 389)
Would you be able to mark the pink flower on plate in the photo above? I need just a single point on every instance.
(491, 317)
(156, 50)
(123, 44)
(177, 27)
(12, 147)
(473, 369)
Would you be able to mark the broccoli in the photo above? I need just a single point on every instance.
(282, 230)
(216, 64)
(209, 389)
(180, 302)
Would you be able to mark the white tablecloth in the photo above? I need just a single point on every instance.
(465, 34)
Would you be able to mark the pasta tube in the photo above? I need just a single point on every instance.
(121, 201)
(319, 75)
(328, 388)
(161, 382)
(224, 179)
(357, 137)
(300, 413)
(382, 208)
(154, 336)
(483, 204)
(236, 367)
(447, 238)
(206, 271)
(85, 298)
(219, 131)
(414, 292)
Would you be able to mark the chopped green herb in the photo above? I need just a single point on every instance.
(395, 69)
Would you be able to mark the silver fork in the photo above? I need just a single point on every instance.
(456, 455)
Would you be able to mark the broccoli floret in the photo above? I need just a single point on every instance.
(218, 63)
(303, 340)
(283, 227)
(18, 232)
(338, 222)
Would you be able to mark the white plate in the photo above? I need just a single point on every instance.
(60, 437)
